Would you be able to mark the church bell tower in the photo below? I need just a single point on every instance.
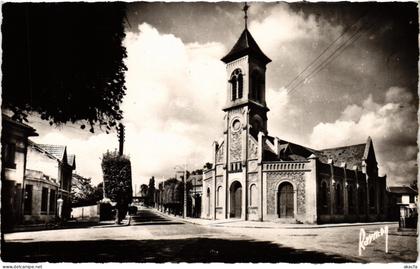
(246, 66)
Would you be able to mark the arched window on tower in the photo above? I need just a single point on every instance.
(256, 86)
(236, 81)
(240, 85)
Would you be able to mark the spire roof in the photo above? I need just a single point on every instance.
(246, 45)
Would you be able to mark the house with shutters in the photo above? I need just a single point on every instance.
(48, 178)
(14, 144)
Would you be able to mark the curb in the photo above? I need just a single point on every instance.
(320, 226)
(276, 226)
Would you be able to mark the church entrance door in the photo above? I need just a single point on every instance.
(236, 200)
(285, 200)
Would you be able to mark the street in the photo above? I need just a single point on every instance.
(151, 237)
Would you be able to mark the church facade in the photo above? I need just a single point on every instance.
(256, 176)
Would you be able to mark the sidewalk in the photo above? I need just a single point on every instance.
(238, 223)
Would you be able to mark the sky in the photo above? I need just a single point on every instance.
(176, 83)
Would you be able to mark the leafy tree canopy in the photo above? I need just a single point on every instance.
(117, 176)
(83, 192)
(64, 61)
(143, 190)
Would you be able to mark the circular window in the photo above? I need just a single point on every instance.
(236, 125)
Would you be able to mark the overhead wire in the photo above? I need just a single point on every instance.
(334, 55)
(314, 63)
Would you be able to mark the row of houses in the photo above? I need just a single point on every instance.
(36, 178)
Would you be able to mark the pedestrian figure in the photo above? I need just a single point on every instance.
(121, 207)
(60, 208)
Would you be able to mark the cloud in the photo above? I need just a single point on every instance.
(88, 151)
(172, 110)
(175, 92)
(292, 39)
(176, 89)
(392, 125)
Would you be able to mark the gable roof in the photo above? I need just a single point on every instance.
(246, 45)
(57, 151)
(352, 155)
(30, 131)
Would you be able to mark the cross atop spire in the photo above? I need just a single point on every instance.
(245, 9)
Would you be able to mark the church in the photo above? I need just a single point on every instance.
(256, 176)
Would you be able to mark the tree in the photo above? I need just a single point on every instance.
(64, 61)
(208, 165)
(143, 190)
(83, 193)
(150, 192)
(117, 176)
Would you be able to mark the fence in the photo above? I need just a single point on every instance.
(85, 212)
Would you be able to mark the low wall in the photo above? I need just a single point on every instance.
(85, 212)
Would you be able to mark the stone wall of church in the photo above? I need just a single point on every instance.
(351, 187)
(220, 154)
(297, 179)
(207, 197)
(253, 202)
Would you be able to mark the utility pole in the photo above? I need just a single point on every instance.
(121, 136)
(184, 215)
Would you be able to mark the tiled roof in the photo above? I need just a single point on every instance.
(30, 130)
(55, 150)
(245, 45)
(352, 155)
(402, 190)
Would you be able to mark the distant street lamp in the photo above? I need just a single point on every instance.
(184, 181)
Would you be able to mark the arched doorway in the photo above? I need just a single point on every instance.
(236, 200)
(285, 200)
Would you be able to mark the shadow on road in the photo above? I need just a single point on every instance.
(160, 251)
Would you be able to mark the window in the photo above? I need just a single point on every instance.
(44, 200)
(372, 197)
(218, 194)
(381, 201)
(236, 81)
(338, 198)
(9, 154)
(235, 167)
(27, 207)
(52, 202)
(253, 195)
(324, 197)
(350, 199)
(361, 200)
(411, 198)
(256, 87)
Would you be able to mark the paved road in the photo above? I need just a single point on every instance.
(152, 238)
